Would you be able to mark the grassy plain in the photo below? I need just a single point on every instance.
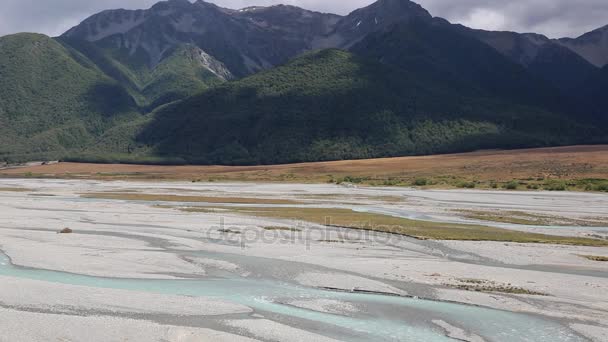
(424, 230)
(127, 196)
(581, 168)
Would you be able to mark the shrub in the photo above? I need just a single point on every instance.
(597, 187)
(466, 185)
(512, 185)
(420, 182)
(555, 186)
(391, 182)
(601, 187)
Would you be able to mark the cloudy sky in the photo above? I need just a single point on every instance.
(555, 18)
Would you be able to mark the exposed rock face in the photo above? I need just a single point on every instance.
(592, 46)
(256, 38)
(246, 40)
(521, 48)
(375, 17)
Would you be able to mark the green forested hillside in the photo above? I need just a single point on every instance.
(53, 100)
(440, 53)
(415, 87)
(593, 94)
(333, 104)
(179, 74)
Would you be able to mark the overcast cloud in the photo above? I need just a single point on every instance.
(554, 18)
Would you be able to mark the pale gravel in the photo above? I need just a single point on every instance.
(458, 333)
(595, 333)
(362, 256)
(330, 306)
(530, 254)
(16, 292)
(269, 330)
(91, 255)
(346, 282)
(27, 326)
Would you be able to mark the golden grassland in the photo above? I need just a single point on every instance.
(14, 190)
(424, 230)
(560, 168)
(178, 198)
(532, 219)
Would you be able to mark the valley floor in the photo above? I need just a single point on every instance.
(575, 167)
(191, 265)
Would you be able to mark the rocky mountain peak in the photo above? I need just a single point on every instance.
(390, 11)
(173, 4)
(399, 6)
(375, 17)
(593, 46)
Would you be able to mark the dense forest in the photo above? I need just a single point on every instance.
(333, 104)
(288, 85)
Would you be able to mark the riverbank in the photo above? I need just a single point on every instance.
(151, 240)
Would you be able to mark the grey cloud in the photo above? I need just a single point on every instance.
(555, 18)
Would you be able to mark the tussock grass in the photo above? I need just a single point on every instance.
(14, 190)
(582, 168)
(479, 285)
(531, 219)
(178, 198)
(423, 230)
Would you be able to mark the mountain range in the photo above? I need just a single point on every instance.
(186, 82)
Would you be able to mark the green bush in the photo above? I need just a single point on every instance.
(512, 185)
(391, 182)
(555, 186)
(601, 187)
(466, 185)
(420, 182)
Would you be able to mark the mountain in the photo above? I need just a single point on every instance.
(194, 82)
(437, 52)
(246, 41)
(256, 38)
(53, 100)
(592, 46)
(376, 17)
(184, 70)
(543, 57)
(593, 92)
(333, 104)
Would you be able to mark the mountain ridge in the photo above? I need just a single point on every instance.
(344, 31)
(170, 65)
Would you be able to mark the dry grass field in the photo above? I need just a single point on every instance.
(424, 230)
(560, 168)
